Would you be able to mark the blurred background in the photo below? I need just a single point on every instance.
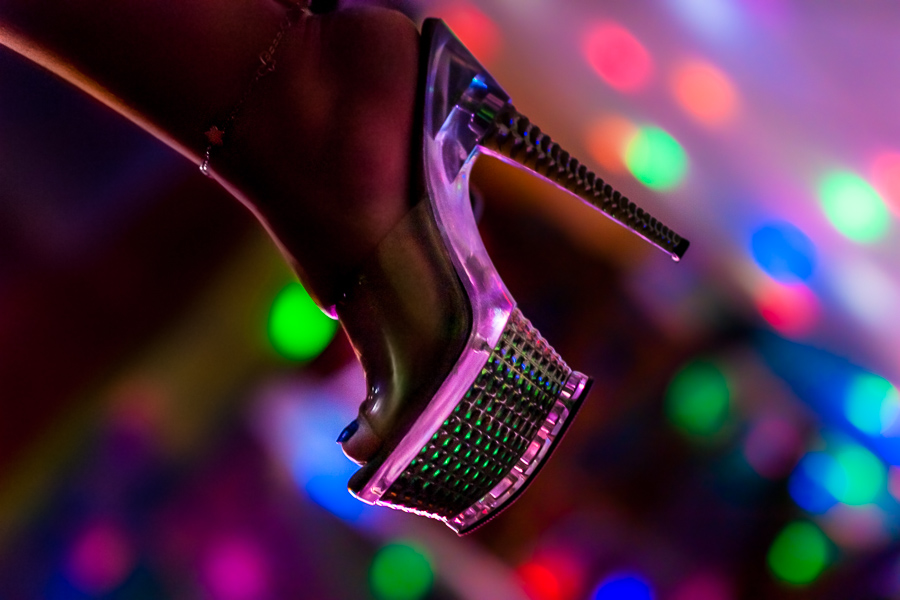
(169, 398)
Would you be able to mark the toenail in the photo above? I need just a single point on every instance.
(348, 432)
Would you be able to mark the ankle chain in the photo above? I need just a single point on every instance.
(215, 135)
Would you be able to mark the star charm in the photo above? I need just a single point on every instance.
(215, 135)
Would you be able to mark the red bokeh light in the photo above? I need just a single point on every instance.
(792, 310)
(474, 29)
(607, 140)
(539, 582)
(553, 574)
(618, 57)
(705, 93)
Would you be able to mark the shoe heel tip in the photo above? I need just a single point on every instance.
(680, 249)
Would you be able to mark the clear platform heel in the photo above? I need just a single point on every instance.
(508, 398)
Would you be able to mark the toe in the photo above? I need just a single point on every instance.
(359, 441)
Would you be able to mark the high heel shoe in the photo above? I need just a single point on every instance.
(466, 400)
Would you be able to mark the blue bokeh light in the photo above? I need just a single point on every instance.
(623, 587)
(302, 423)
(807, 484)
(329, 490)
(717, 19)
(872, 405)
(318, 465)
(784, 252)
(822, 380)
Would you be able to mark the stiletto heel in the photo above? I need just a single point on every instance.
(465, 397)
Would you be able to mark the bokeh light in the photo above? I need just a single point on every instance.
(715, 18)
(791, 310)
(807, 485)
(854, 208)
(894, 482)
(329, 490)
(656, 159)
(858, 476)
(607, 140)
(886, 179)
(539, 582)
(867, 291)
(704, 586)
(100, 558)
(856, 527)
(474, 29)
(697, 399)
(553, 573)
(298, 330)
(138, 407)
(236, 568)
(300, 421)
(772, 447)
(704, 92)
(625, 586)
(799, 553)
(401, 571)
(618, 57)
(783, 251)
(872, 404)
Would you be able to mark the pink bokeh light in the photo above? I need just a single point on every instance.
(703, 586)
(886, 179)
(235, 568)
(618, 57)
(856, 527)
(773, 446)
(100, 558)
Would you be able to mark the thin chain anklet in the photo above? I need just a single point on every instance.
(215, 135)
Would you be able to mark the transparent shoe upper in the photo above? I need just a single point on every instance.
(459, 95)
(461, 102)
(467, 122)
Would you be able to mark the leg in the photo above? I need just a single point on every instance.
(321, 151)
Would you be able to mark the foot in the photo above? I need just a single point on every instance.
(325, 155)
(407, 317)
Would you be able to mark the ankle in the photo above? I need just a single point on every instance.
(322, 150)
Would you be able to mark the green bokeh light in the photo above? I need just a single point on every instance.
(401, 572)
(697, 400)
(799, 553)
(872, 404)
(857, 477)
(854, 207)
(297, 328)
(656, 159)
